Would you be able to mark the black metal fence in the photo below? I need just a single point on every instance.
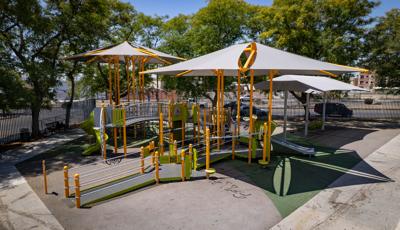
(17, 124)
(366, 107)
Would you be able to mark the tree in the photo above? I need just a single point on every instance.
(37, 34)
(383, 50)
(216, 26)
(327, 30)
(86, 32)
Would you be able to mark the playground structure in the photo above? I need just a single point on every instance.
(193, 138)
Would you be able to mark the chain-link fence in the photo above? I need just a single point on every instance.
(17, 124)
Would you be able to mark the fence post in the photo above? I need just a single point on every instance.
(141, 160)
(44, 176)
(190, 155)
(77, 191)
(66, 182)
(183, 165)
(157, 173)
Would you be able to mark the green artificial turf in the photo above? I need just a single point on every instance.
(291, 180)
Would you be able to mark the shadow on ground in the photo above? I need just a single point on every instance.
(291, 180)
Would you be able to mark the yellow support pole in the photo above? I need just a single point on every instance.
(207, 150)
(141, 160)
(183, 133)
(238, 104)
(161, 135)
(218, 106)
(251, 115)
(44, 176)
(133, 79)
(190, 155)
(115, 83)
(110, 82)
(222, 111)
(77, 191)
(124, 128)
(194, 126)
(115, 138)
(127, 77)
(118, 82)
(104, 132)
(157, 173)
(66, 182)
(183, 165)
(271, 76)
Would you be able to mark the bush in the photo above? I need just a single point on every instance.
(369, 101)
(313, 125)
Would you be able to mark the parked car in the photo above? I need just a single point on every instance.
(334, 109)
(245, 111)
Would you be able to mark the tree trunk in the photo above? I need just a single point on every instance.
(71, 100)
(35, 109)
(303, 100)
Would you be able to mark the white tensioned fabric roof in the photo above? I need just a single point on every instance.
(266, 59)
(123, 50)
(302, 83)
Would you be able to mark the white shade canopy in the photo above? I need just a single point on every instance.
(125, 49)
(303, 83)
(266, 59)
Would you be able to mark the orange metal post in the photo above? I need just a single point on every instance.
(207, 150)
(44, 176)
(127, 77)
(77, 191)
(141, 160)
(190, 154)
(218, 106)
(104, 132)
(183, 165)
(66, 182)
(133, 79)
(110, 82)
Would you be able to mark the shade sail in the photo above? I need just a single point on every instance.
(125, 49)
(303, 83)
(266, 59)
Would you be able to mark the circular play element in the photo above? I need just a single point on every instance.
(263, 162)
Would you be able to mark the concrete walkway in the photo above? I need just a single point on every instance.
(20, 207)
(365, 206)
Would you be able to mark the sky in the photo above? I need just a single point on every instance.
(175, 7)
